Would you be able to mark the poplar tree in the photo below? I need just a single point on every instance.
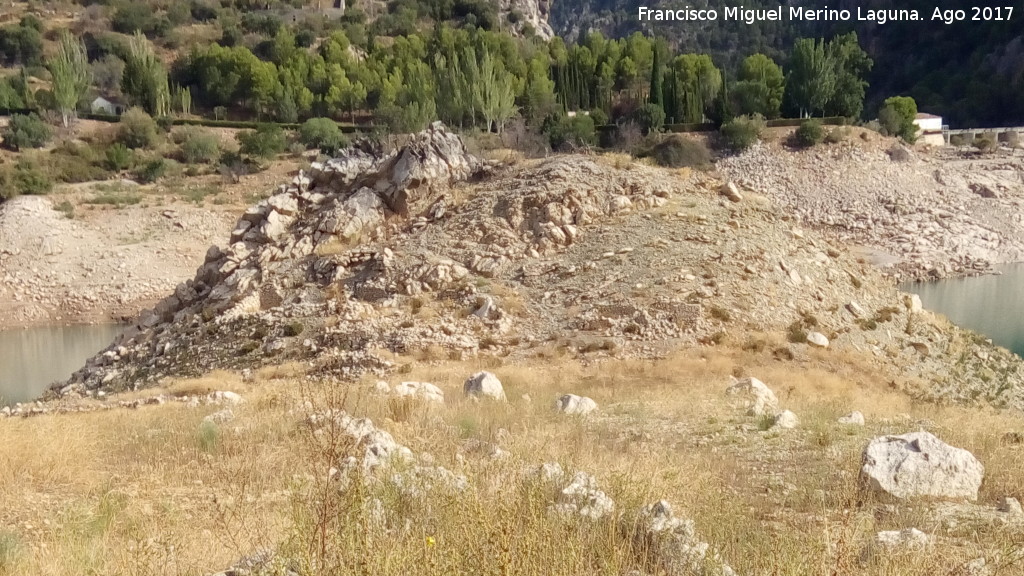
(69, 70)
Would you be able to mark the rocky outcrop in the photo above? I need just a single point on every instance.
(920, 465)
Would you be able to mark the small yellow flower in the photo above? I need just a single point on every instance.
(431, 541)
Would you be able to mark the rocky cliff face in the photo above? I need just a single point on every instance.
(430, 253)
(533, 12)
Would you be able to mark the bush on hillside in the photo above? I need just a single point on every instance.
(322, 134)
(650, 117)
(571, 132)
(26, 131)
(151, 170)
(137, 130)
(742, 132)
(24, 177)
(810, 133)
(897, 118)
(266, 141)
(678, 151)
(119, 157)
(198, 146)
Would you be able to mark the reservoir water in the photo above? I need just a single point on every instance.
(991, 305)
(33, 358)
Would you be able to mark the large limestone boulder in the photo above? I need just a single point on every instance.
(919, 464)
(759, 398)
(484, 384)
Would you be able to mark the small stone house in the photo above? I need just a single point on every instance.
(110, 106)
(929, 129)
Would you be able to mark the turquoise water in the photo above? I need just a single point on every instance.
(991, 305)
(33, 358)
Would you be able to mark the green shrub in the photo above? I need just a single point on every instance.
(151, 170)
(198, 146)
(137, 129)
(650, 117)
(810, 133)
(26, 131)
(897, 118)
(678, 151)
(119, 157)
(267, 141)
(742, 132)
(322, 134)
(837, 135)
(572, 132)
(23, 178)
(600, 117)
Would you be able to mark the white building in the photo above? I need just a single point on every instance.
(929, 129)
(102, 105)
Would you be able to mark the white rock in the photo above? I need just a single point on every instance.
(484, 384)
(219, 417)
(730, 191)
(919, 464)
(913, 303)
(582, 497)
(817, 339)
(761, 400)
(1010, 505)
(381, 387)
(225, 397)
(422, 390)
(854, 418)
(573, 404)
(907, 538)
(549, 472)
(786, 420)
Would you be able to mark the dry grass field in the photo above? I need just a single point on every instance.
(156, 491)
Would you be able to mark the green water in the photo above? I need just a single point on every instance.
(33, 358)
(991, 305)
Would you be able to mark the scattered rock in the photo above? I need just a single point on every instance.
(817, 339)
(920, 465)
(582, 497)
(422, 390)
(911, 538)
(484, 384)
(854, 418)
(1010, 505)
(730, 191)
(760, 399)
(573, 404)
(786, 420)
(219, 417)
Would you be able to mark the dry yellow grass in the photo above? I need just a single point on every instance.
(154, 491)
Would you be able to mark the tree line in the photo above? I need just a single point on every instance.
(466, 76)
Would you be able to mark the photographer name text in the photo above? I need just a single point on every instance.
(799, 13)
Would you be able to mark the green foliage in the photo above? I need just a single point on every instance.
(322, 134)
(572, 132)
(151, 170)
(760, 88)
(137, 129)
(692, 83)
(810, 133)
(852, 66)
(812, 76)
(25, 177)
(70, 73)
(897, 117)
(26, 131)
(677, 151)
(198, 146)
(138, 17)
(742, 132)
(119, 157)
(267, 141)
(72, 162)
(145, 79)
(21, 44)
(650, 117)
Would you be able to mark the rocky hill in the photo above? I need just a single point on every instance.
(429, 251)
